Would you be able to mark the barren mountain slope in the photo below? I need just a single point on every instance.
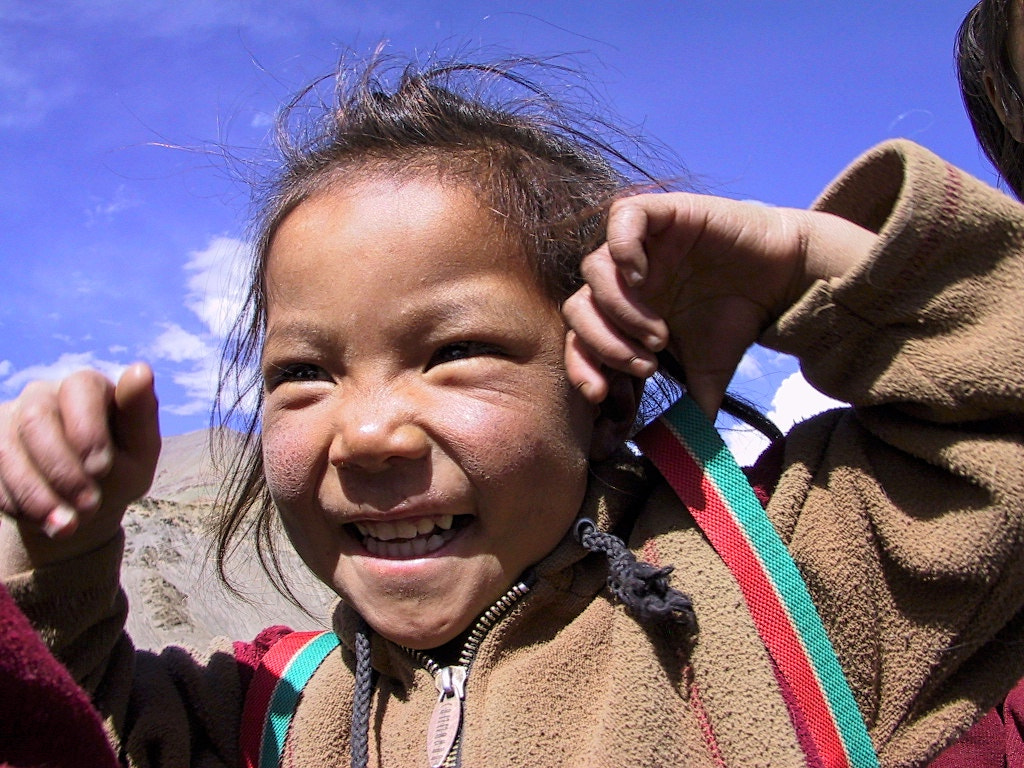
(174, 593)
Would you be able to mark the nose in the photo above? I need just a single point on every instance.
(372, 433)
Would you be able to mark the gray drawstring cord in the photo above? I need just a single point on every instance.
(360, 738)
(638, 585)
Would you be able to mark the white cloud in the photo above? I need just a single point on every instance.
(796, 400)
(6, 366)
(749, 367)
(189, 18)
(24, 101)
(744, 442)
(200, 385)
(106, 210)
(793, 401)
(261, 120)
(216, 287)
(177, 345)
(65, 365)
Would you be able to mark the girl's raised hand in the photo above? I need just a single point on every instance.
(700, 277)
(73, 454)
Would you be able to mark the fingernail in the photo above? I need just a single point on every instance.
(633, 278)
(90, 499)
(98, 462)
(654, 343)
(62, 519)
(642, 367)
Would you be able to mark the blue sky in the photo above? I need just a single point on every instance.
(119, 233)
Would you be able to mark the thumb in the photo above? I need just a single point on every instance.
(135, 422)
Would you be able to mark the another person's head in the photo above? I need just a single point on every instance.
(990, 60)
(415, 430)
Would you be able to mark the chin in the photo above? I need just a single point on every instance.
(418, 603)
(418, 633)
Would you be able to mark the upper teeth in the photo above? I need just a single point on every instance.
(403, 529)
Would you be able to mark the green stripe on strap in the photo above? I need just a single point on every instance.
(286, 695)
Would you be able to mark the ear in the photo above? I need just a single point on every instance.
(615, 414)
(1008, 110)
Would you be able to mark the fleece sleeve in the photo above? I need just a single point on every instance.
(905, 513)
(173, 708)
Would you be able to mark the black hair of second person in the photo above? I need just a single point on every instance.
(982, 49)
(548, 167)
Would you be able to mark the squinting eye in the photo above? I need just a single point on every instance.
(462, 350)
(280, 374)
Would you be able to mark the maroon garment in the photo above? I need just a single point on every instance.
(994, 742)
(46, 719)
(248, 655)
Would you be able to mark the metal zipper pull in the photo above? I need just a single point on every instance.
(446, 718)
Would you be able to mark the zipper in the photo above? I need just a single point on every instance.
(444, 730)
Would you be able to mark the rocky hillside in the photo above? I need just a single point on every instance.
(173, 589)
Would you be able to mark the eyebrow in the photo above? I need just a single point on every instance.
(447, 306)
(298, 330)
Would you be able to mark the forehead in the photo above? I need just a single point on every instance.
(391, 236)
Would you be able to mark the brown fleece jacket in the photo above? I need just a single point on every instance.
(903, 514)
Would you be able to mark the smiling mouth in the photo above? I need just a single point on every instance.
(408, 538)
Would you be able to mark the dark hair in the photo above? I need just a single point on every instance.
(981, 49)
(549, 171)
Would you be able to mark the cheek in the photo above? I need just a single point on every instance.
(288, 463)
(541, 437)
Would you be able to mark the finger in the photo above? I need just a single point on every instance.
(85, 400)
(634, 221)
(620, 304)
(603, 341)
(42, 470)
(584, 372)
(707, 390)
(708, 362)
(26, 495)
(60, 522)
(624, 238)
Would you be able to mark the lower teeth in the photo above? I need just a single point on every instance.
(421, 545)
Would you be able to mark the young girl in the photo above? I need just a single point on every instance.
(453, 464)
(989, 58)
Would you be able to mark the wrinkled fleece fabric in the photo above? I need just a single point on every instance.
(903, 513)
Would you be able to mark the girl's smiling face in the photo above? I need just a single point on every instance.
(420, 438)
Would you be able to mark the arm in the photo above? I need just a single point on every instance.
(73, 454)
(904, 514)
(89, 447)
(920, 489)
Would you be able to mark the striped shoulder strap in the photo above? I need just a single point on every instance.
(274, 693)
(690, 454)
